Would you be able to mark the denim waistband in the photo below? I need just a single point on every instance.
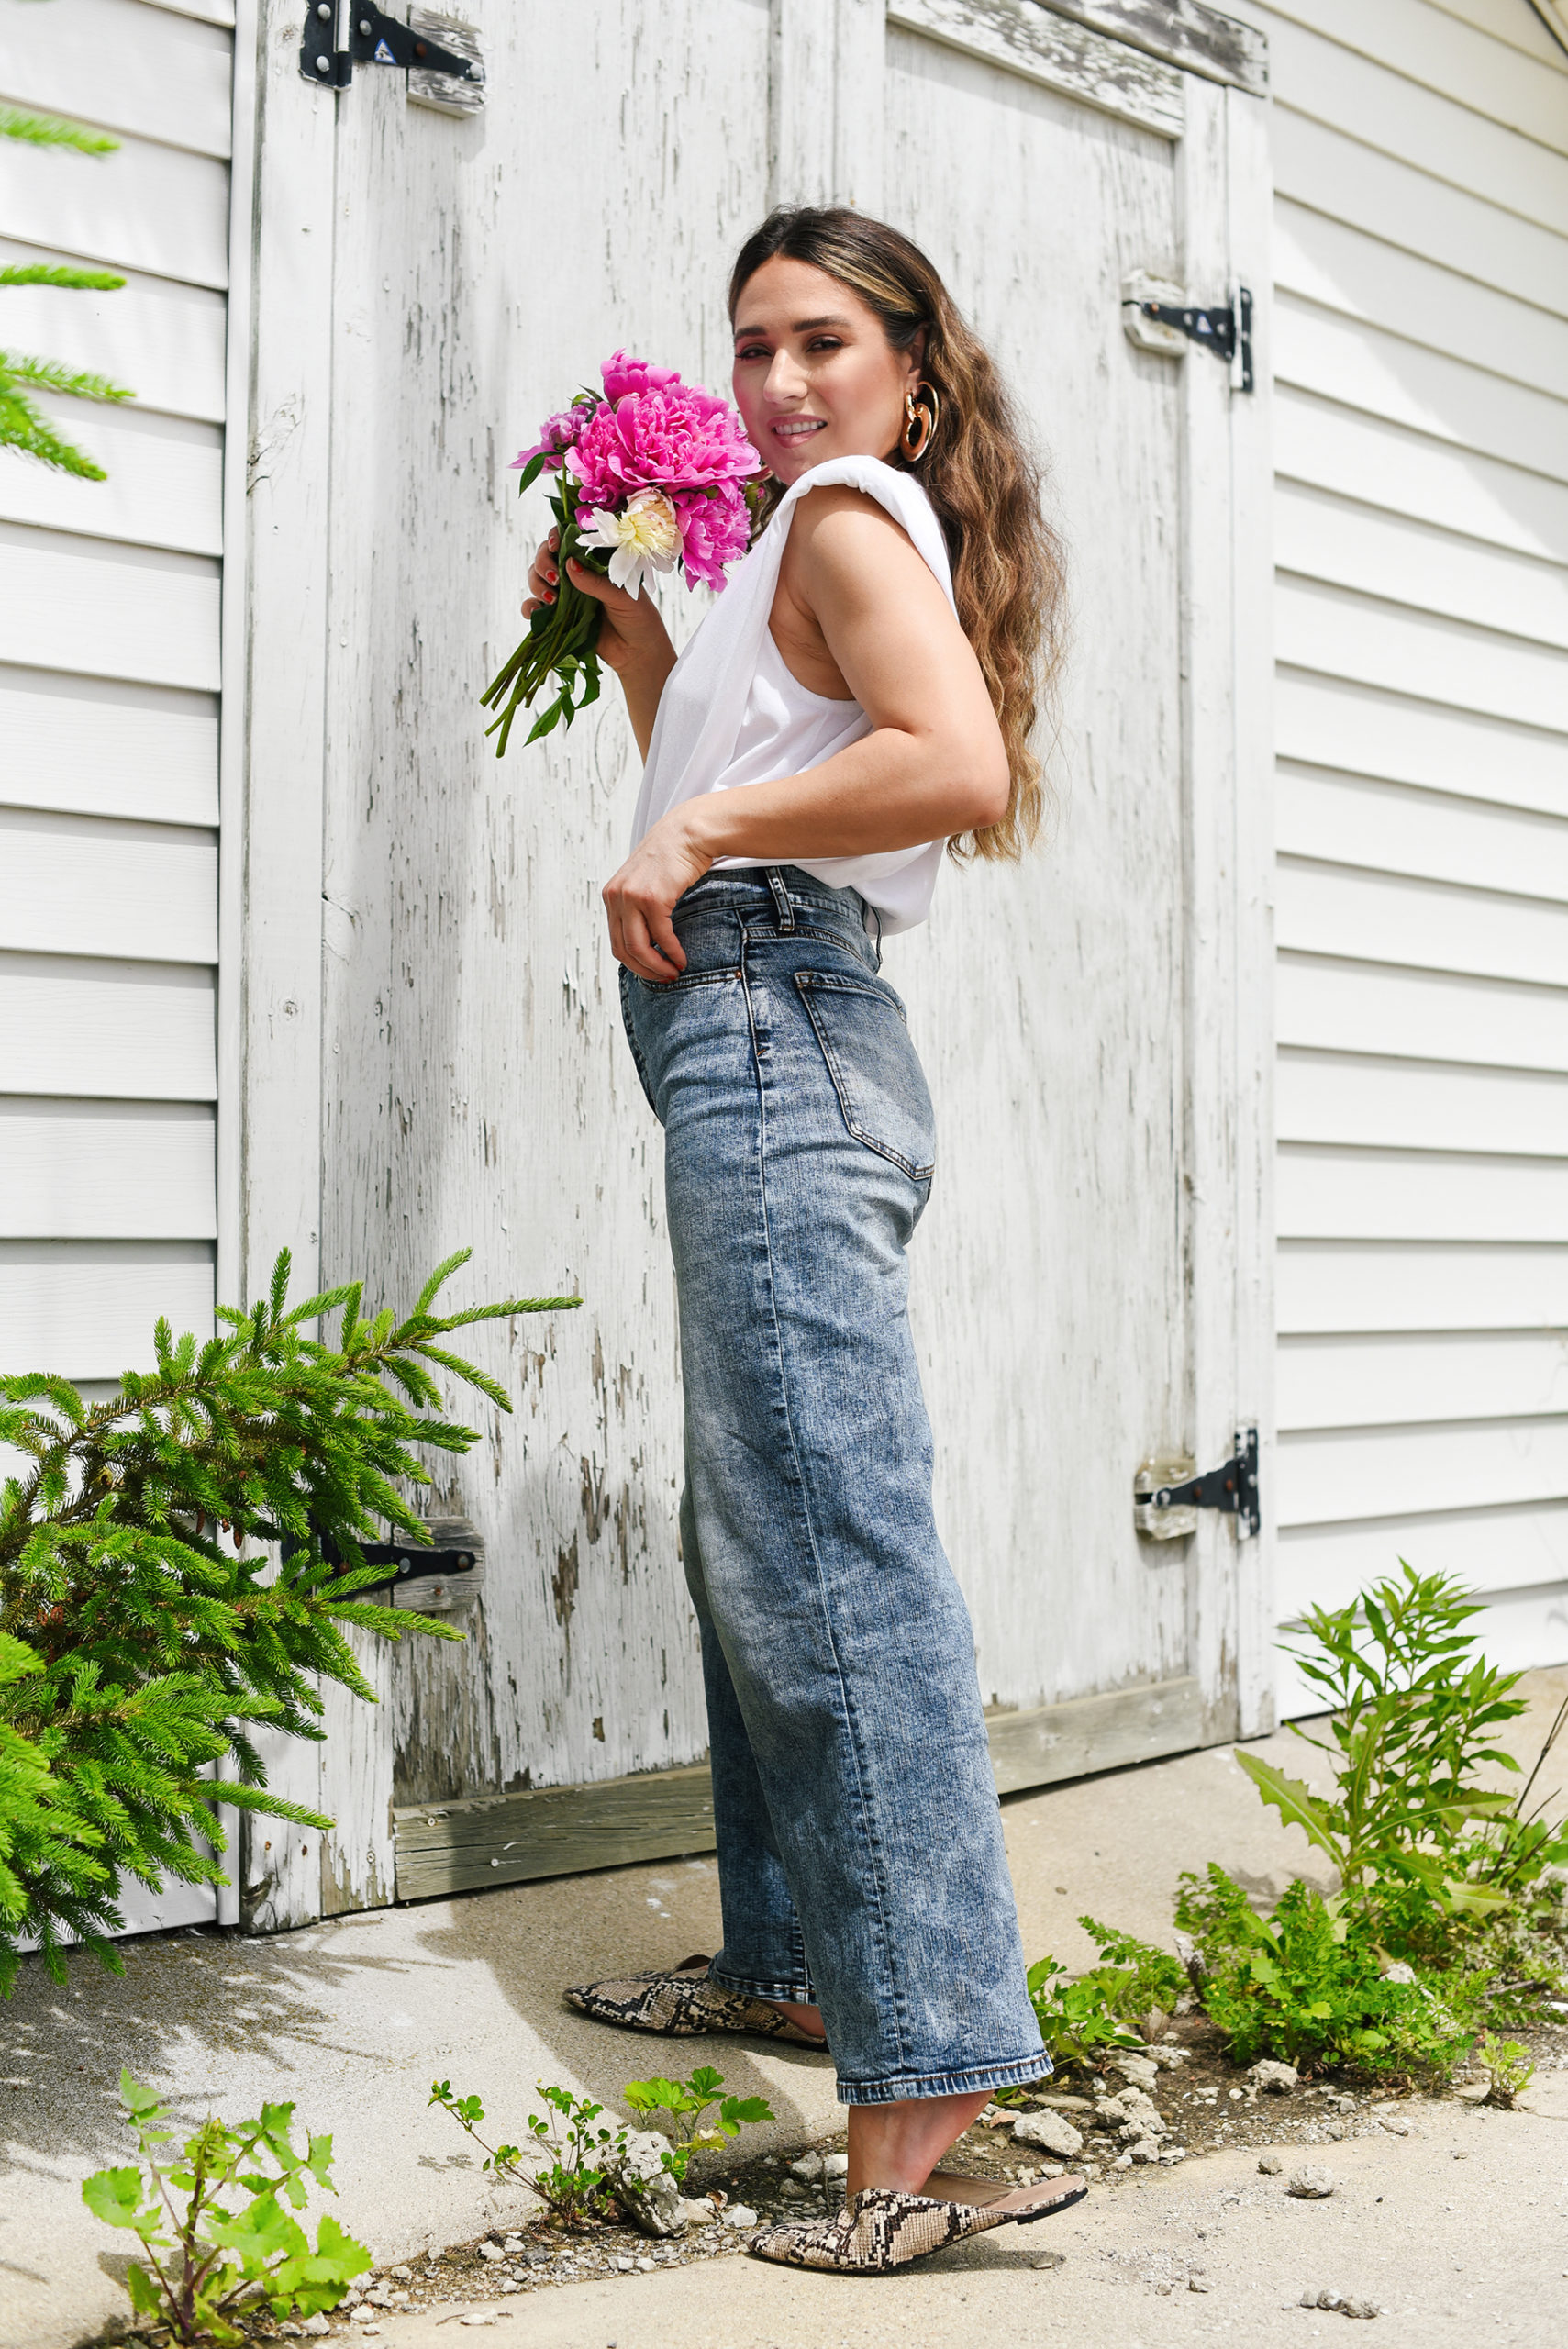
(791, 898)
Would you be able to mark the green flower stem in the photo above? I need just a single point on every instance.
(560, 643)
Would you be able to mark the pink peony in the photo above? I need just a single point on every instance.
(715, 529)
(623, 374)
(556, 435)
(671, 437)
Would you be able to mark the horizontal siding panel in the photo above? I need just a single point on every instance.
(1358, 1099)
(1345, 1382)
(1331, 1194)
(1429, 836)
(1388, 111)
(1355, 364)
(1326, 170)
(111, 611)
(1340, 269)
(1373, 643)
(1356, 1006)
(102, 62)
(1378, 918)
(1423, 46)
(107, 1170)
(1517, 1549)
(146, 206)
(103, 748)
(1327, 722)
(87, 1309)
(165, 484)
(86, 886)
(164, 340)
(1350, 1286)
(113, 1030)
(1334, 448)
(1319, 536)
(1394, 1471)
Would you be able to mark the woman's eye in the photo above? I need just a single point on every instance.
(752, 351)
(824, 342)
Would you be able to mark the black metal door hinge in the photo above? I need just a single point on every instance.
(342, 34)
(1232, 1488)
(1227, 332)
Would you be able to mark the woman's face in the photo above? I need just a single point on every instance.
(814, 375)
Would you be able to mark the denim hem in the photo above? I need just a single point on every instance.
(798, 1994)
(912, 2085)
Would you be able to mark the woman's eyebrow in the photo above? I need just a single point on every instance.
(801, 326)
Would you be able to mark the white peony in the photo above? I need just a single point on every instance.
(645, 537)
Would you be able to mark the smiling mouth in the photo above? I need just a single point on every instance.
(799, 428)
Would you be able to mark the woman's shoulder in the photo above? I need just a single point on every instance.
(898, 494)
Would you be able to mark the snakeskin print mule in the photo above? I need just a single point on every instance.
(880, 2228)
(684, 2004)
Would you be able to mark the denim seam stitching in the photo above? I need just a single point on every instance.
(863, 1805)
(884, 1150)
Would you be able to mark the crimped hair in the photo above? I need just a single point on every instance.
(976, 470)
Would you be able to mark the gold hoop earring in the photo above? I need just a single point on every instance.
(920, 420)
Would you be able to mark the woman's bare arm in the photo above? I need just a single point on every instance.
(855, 600)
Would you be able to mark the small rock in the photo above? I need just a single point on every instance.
(645, 2266)
(738, 2215)
(1122, 2161)
(1395, 2122)
(513, 2246)
(1311, 2183)
(1336, 2130)
(1166, 2058)
(1275, 2079)
(1170, 2154)
(695, 2214)
(1270, 2165)
(809, 2165)
(1156, 2023)
(316, 2326)
(1145, 2150)
(1474, 2091)
(1135, 2111)
(1051, 2130)
(1339, 2303)
(1135, 2069)
(625, 2265)
(490, 2251)
(403, 2274)
(1199, 2284)
(835, 2164)
(1399, 1972)
(1051, 2259)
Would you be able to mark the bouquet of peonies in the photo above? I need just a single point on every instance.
(650, 475)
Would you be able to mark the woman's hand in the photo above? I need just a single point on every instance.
(633, 635)
(642, 897)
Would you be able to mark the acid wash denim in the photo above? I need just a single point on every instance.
(860, 1839)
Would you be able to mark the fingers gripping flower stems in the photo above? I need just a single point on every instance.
(648, 478)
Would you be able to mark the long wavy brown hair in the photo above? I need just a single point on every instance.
(977, 469)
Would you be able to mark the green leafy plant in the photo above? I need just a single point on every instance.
(1510, 2068)
(682, 2105)
(1310, 1985)
(572, 2161)
(24, 425)
(145, 1630)
(230, 2242)
(1415, 1716)
(1082, 2019)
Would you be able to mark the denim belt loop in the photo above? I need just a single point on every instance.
(782, 905)
(876, 912)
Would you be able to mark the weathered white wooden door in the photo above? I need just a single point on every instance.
(435, 1055)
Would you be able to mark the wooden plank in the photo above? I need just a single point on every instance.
(78, 885)
(1392, 1472)
(108, 748)
(1422, 45)
(1347, 820)
(164, 487)
(88, 605)
(1384, 1381)
(164, 340)
(87, 1309)
(1328, 722)
(1331, 1194)
(146, 206)
(1324, 537)
(1345, 1285)
(111, 1031)
(825, 102)
(1379, 918)
(106, 1170)
(1517, 1549)
(1385, 465)
(1334, 173)
(1356, 362)
(1441, 136)
(1060, 56)
(1355, 1098)
(100, 61)
(492, 1840)
(1183, 33)
(1345, 1006)
(1361, 278)
(1342, 635)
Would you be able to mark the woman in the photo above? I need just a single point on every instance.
(860, 699)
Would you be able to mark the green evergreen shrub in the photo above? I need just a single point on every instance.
(144, 1631)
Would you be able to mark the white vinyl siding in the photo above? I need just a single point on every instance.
(110, 676)
(1420, 367)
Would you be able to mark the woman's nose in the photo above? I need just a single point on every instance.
(785, 380)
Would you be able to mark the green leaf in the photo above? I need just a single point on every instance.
(1293, 1799)
(53, 130)
(114, 2196)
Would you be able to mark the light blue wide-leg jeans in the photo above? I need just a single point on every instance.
(860, 1839)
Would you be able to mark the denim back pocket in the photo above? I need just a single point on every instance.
(875, 1069)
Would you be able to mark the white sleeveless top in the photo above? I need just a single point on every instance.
(731, 713)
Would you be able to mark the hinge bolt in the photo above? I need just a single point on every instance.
(324, 11)
(324, 65)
